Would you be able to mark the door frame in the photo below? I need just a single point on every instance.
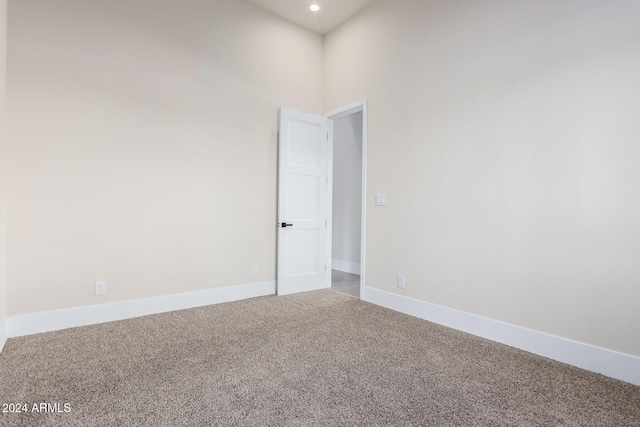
(356, 107)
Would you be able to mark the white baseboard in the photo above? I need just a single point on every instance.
(3, 334)
(613, 364)
(47, 321)
(345, 266)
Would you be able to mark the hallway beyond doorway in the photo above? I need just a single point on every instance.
(346, 283)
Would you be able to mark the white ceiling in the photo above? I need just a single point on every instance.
(331, 14)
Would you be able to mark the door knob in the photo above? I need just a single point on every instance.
(285, 225)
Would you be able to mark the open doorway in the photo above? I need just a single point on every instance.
(349, 168)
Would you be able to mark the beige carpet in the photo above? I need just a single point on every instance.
(319, 358)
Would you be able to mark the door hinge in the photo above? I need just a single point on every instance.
(325, 267)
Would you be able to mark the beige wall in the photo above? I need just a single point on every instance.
(506, 138)
(3, 127)
(142, 145)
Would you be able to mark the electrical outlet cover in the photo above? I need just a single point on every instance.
(401, 281)
(101, 288)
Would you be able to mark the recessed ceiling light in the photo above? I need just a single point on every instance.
(314, 7)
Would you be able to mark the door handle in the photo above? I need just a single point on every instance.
(285, 225)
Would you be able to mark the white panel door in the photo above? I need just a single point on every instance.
(304, 244)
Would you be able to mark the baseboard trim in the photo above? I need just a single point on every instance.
(345, 266)
(47, 321)
(610, 363)
(3, 334)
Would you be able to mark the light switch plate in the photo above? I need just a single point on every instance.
(380, 200)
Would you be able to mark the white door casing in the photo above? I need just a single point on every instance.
(304, 203)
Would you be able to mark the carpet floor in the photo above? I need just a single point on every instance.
(319, 358)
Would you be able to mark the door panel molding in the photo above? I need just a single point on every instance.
(304, 201)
